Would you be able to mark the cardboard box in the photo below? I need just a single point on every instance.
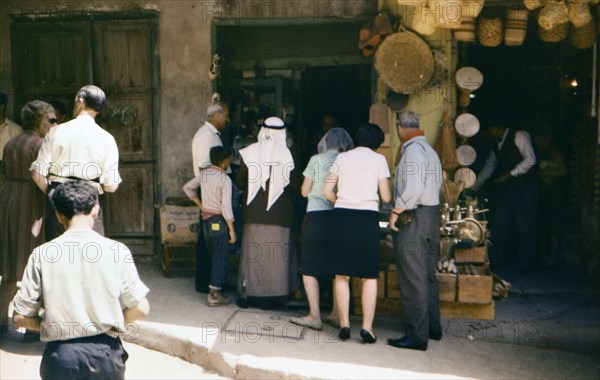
(179, 224)
(471, 255)
(447, 282)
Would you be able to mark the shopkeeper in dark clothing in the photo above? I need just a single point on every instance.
(78, 149)
(517, 194)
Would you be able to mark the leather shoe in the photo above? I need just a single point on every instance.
(406, 342)
(344, 333)
(367, 337)
(435, 336)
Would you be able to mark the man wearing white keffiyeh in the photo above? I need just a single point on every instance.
(266, 175)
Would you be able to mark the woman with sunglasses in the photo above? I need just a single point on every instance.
(22, 203)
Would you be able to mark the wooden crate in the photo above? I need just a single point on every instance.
(475, 289)
(467, 311)
(447, 282)
(471, 255)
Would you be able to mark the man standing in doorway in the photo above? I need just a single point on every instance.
(89, 289)
(207, 137)
(78, 149)
(416, 219)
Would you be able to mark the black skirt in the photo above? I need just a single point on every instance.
(355, 236)
(316, 257)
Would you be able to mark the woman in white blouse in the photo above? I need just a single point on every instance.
(361, 177)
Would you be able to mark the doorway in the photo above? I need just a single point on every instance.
(52, 59)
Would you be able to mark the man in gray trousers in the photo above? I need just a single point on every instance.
(416, 219)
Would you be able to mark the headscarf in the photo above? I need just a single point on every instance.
(268, 159)
(335, 139)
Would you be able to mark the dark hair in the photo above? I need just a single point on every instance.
(218, 154)
(33, 112)
(369, 135)
(59, 106)
(3, 98)
(74, 198)
(92, 96)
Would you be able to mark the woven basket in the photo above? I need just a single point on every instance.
(556, 34)
(471, 8)
(447, 12)
(584, 37)
(489, 32)
(466, 32)
(516, 26)
(404, 62)
(445, 146)
(579, 13)
(533, 4)
(553, 14)
(423, 21)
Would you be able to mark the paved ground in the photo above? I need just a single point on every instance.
(20, 360)
(549, 327)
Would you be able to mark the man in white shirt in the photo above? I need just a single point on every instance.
(517, 196)
(8, 128)
(78, 149)
(207, 137)
(89, 289)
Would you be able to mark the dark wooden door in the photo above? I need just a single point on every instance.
(54, 59)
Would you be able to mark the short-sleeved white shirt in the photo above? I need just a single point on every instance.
(83, 281)
(359, 171)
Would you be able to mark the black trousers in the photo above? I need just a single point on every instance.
(95, 357)
(416, 249)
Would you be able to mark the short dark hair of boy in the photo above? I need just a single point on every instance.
(74, 198)
(369, 135)
(218, 154)
(59, 106)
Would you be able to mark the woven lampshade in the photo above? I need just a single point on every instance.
(490, 32)
(404, 62)
(516, 26)
(553, 14)
(579, 13)
(466, 32)
(556, 34)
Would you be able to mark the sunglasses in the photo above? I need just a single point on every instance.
(53, 120)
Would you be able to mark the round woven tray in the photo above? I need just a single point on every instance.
(404, 62)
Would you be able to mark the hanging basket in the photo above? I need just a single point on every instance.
(466, 32)
(556, 34)
(584, 37)
(404, 62)
(553, 14)
(516, 27)
(533, 4)
(579, 13)
(490, 32)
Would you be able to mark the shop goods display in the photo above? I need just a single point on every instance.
(468, 79)
(579, 13)
(465, 175)
(516, 26)
(556, 34)
(553, 13)
(445, 146)
(466, 125)
(490, 31)
(466, 155)
(466, 31)
(404, 62)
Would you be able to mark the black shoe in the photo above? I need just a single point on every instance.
(367, 337)
(31, 337)
(435, 336)
(344, 333)
(242, 302)
(406, 342)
